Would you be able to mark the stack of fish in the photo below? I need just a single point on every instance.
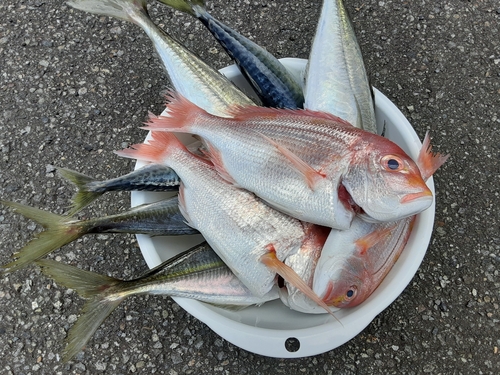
(265, 187)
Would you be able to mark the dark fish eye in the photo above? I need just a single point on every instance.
(393, 164)
(351, 293)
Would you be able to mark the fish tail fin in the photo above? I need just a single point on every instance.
(428, 162)
(59, 231)
(88, 285)
(180, 115)
(157, 150)
(84, 195)
(121, 9)
(186, 6)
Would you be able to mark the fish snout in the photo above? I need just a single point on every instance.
(424, 195)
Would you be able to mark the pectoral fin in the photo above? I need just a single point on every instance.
(287, 273)
(311, 175)
(371, 239)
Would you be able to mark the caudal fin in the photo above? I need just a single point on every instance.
(84, 195)
(156, 150)
(88, 285)
(428, 162)
(58, 233)
(121, 9)
(181, 114)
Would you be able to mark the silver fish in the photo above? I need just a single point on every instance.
(336, 81)
(188, 73)
(151, 177)
(274, 84)
(310, 165)
(197, 273)
(156, 219)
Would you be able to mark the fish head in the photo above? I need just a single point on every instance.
(343, 284)
(385, 183)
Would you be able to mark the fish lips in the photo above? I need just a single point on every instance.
(392, 208)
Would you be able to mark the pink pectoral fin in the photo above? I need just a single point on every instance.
(287, 273)
(371, 239)
(311, 175)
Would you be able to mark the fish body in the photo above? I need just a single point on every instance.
(188, 73)
(336, 80)
(274, 84)
(151, 177)
(197, 273)
(354, 262)
(252, 238)
(310, 165)
(161, 218)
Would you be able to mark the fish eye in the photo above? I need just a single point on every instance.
(351, 293)
(392, 163)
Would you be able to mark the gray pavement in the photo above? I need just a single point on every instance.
(74, 87)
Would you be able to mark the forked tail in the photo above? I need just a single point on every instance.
(59, 232)
(121, 9)
(84, 195)
(89, 285)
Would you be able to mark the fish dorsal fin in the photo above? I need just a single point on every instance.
(371, 239)
(427, 162)
(311, 175)
(245, 113)
(272, 262)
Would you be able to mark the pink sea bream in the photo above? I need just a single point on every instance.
(311, 165)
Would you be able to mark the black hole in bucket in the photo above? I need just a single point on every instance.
(292, 344)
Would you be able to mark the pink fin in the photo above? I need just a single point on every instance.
(371, 239)
(287, 273)
(427, 162)
(181, 113)
(311, 175)
(244, 113)
(215, 157)
(157, 150)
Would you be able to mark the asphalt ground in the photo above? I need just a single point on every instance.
(74, 87)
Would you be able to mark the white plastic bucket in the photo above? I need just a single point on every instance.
(273, 329)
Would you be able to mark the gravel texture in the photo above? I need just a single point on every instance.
(74, 87)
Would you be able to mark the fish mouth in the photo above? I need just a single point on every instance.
(412, 197)
(327, 296)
